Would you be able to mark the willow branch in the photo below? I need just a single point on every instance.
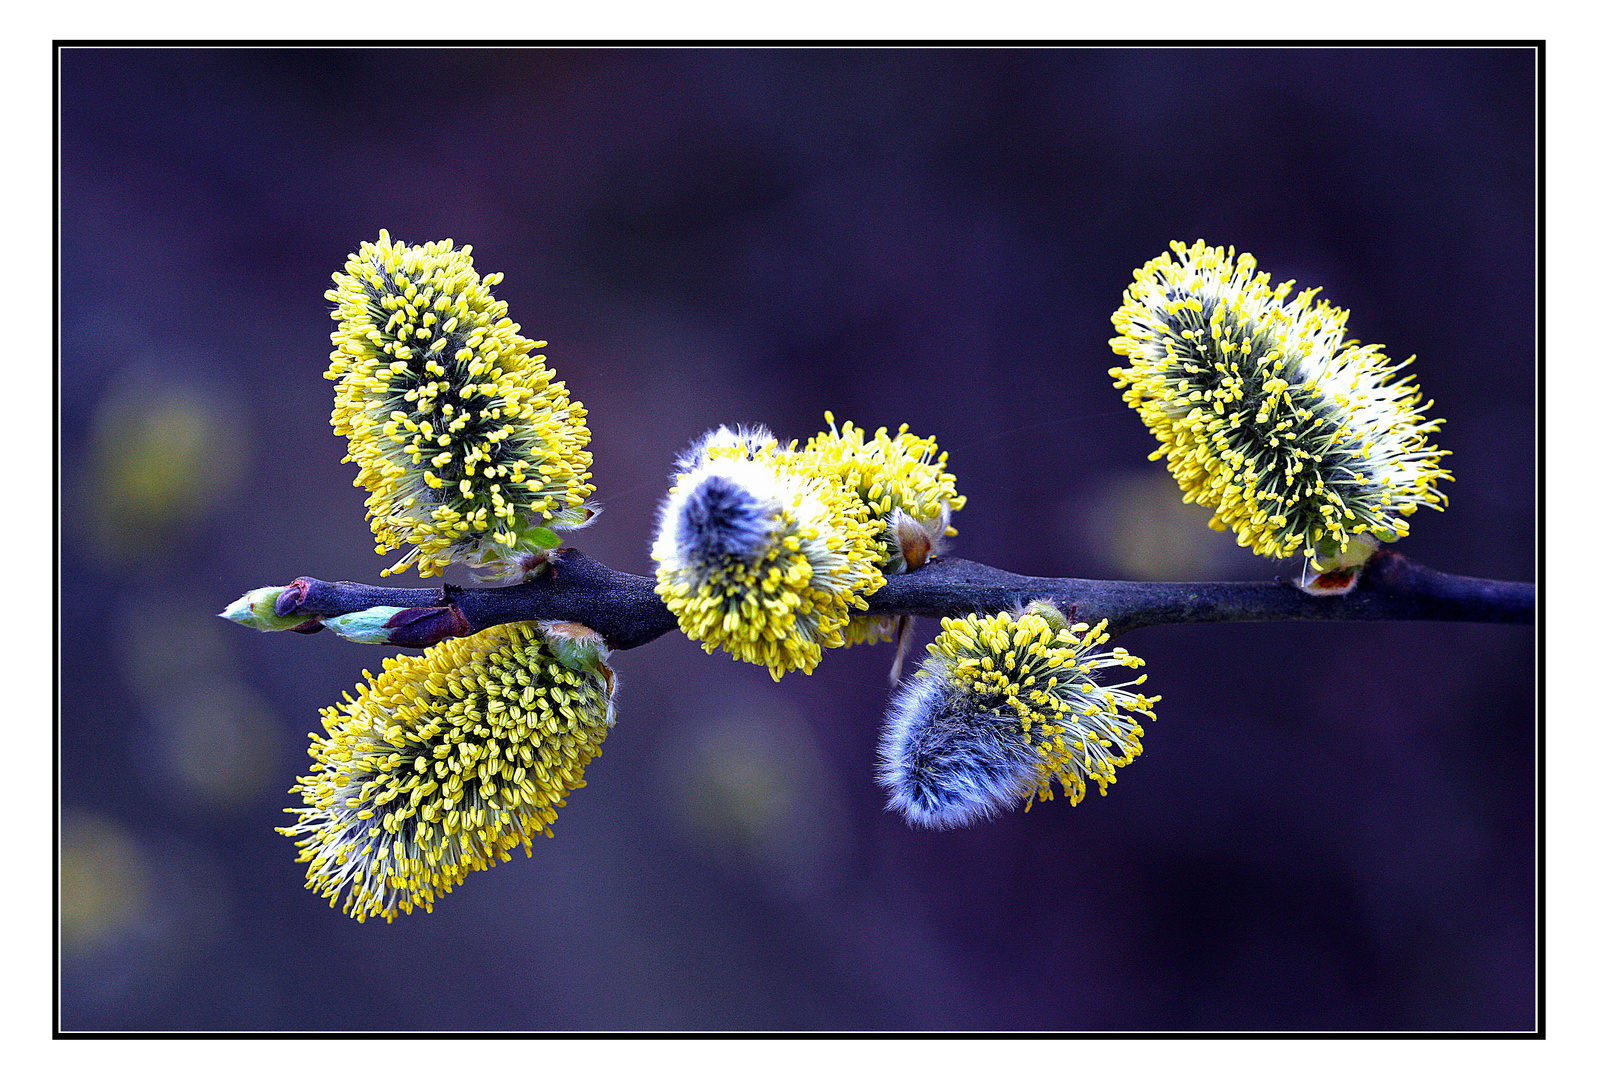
(625, 610)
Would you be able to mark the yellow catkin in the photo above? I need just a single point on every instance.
(463, 439)
(775, 581)
(901, 481)
(1038, 674)
(444, 764)
(798, 539)
(1299, 440)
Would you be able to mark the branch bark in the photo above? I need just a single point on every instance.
(624, 609)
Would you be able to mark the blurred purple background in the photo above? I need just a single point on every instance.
(1333, 826)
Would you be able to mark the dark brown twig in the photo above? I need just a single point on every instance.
(625, 610)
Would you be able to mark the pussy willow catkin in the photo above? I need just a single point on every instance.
(463, 438)
(446, 763)
(1298, 440)
(1003, 707)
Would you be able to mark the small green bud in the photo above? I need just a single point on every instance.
(541, 537)
(1356, 552)
(370, 627)
(574, 645)
(255, 609)
(1049, 614)
(1335, 573)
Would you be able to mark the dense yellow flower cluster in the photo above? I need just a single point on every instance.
(893, 477)
(447, 762)
(758, 558)
(1298, 440)
(767, 550)
(903, 485)
(1038, 672)
(463, 439)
